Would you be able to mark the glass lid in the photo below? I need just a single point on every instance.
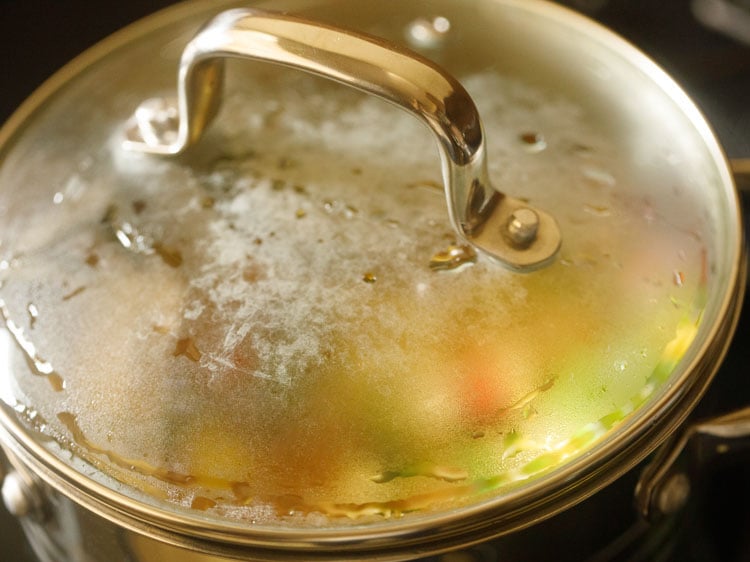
(282, 325)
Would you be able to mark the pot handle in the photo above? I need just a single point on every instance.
(665, 484)
(741, 170)
(508, 229)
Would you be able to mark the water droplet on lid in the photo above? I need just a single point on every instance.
(428, 33)
(582, 150)
(430, 185)
(33, 314)
(73, 190)
(74, 293)
(596, 177)
(169, 255)
(187, 348)
(533, 142)
(597, 210)
(201, 503)
(453, 257)
(39, 365)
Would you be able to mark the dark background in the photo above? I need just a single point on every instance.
(37, 37)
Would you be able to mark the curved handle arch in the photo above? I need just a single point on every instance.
(483, 216)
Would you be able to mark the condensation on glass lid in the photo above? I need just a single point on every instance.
(271, 329)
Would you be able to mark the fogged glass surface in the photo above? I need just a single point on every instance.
(282, 323)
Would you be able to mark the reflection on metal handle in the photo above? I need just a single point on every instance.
(664, 487)
(506, 228)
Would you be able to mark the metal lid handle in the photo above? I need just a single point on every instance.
(508, 229)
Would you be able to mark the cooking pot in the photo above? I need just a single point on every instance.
(249, 315)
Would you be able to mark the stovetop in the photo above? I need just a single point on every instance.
(703, 44)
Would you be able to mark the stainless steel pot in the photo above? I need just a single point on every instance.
(550, 50)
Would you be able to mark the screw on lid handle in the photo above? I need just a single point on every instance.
(507, 229)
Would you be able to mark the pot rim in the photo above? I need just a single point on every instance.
(524, 505)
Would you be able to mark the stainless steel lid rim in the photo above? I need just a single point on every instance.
(483, 524)
(518, 509)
